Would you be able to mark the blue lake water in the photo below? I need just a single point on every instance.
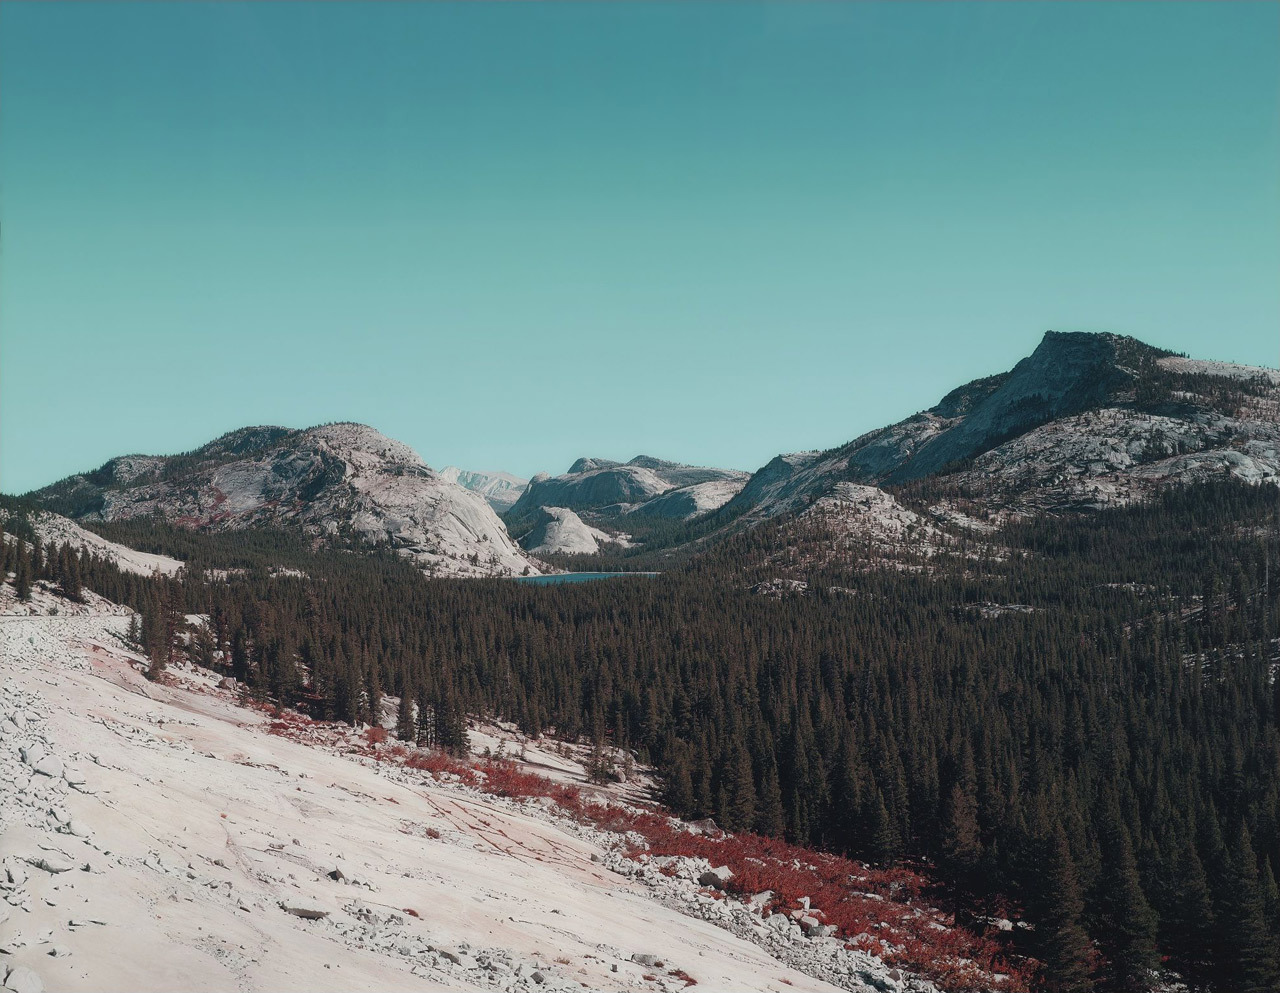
(578, 577)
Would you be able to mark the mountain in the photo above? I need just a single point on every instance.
(336, 482)
(1086, 421)
(611, 489)
(560, 531)
(500, 489)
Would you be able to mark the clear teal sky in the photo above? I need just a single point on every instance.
(515, 234)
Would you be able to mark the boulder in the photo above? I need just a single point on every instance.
(23, 980)
(31, 754)
(647, 960)
(304, 909)
(716, 878)
(50, 861)
(49, 765)
(74, 777)
(458, 958)
(760, 900)
(15, 871)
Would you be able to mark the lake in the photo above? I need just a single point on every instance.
(578, 577)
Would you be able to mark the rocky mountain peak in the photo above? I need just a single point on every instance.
(336, 482)
(591, 465)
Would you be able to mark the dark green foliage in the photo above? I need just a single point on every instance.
(23, 573)
(1186, 925)
(1060, 941)
(1247, 960)
(1125, 922)
(406, 719)
(69, 574)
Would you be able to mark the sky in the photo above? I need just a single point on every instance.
(514, 234)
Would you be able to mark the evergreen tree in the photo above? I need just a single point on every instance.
(69, 574)
(740, 812)
(845, 818)
(406, 721)
(22, 579)
(882, 843)
(1247, 963)
(1187, 919)
(678, 792)
(961, 843)
(1060, 941)
(770, 816)
(1126, 922)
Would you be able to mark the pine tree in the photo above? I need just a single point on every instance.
(165, 631)
(961, 844)
(678, 793)
(1247, 960)
(1126, 922)
(845, 817)
(740, 812)
(69, 575)
(1061, 942)
(770, 817)
(882, 843)
(406, 722)
(22, 579)
(1187, 923)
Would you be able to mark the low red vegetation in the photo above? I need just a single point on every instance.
(411, 912)
(880, 911)
(868, 905)
(684, 977)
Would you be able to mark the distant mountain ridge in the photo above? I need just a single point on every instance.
(612, 489)
(1085, 420)
(500, 489)
(335, 482)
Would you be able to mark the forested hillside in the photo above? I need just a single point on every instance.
(1084, 724)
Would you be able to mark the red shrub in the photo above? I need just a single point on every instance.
(375, 735)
